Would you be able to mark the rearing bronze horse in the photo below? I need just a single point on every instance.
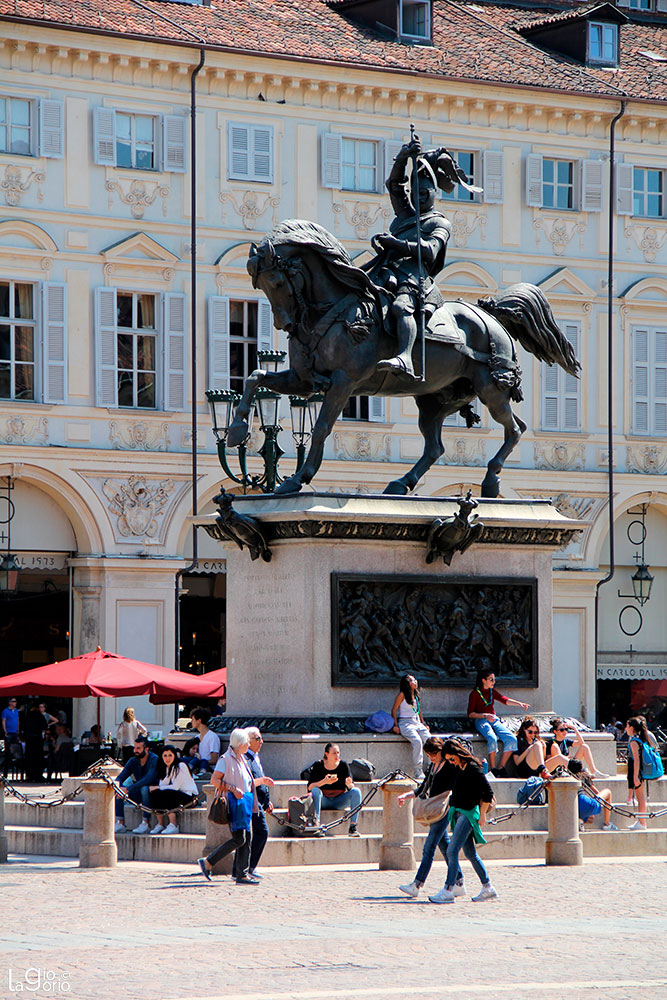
(336, 319)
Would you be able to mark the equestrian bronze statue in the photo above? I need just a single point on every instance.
(352, 331)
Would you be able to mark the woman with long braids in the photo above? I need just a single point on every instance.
(471, 799)
(409, 722)
(482, 714)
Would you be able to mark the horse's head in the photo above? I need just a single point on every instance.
(275, 274)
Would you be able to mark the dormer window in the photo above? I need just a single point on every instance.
(415, 19)
(603, 43)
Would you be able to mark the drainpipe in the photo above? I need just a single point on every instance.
(610, 381)
(193, 353)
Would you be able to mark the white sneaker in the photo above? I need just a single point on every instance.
(610, 827)
(157, 829)
(488, 892)
(637, 826)
(143, 827)
(444, 896)
(410, 890)
(172, 828)
(600, 774)
(459, 889)
(119, 827)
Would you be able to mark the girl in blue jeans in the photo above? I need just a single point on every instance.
(482, 714)
(439, 778)
(470, 801)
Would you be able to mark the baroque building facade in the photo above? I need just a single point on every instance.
(300, 110)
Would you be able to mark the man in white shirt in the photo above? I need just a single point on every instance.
(209, 742)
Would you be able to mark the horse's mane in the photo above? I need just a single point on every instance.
(308, 234)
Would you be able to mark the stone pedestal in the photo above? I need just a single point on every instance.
(98, 849)
(397, 847)
(282, 615)
(3, 838)
(563, 846)
(216, 835)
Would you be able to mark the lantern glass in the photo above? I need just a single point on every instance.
(298, 413)
(9, 574)
(267, 404)
(642, 581)
(314, 406)
(269, 360)
(222, 403)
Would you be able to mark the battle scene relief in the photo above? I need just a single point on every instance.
(385, 626)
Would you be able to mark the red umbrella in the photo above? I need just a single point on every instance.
(106, 675)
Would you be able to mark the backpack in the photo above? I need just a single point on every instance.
(533, 790)
(302, 817)
(379, 722)
(362, 769)
(305, 774)
(650, 763)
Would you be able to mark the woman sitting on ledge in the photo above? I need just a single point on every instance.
(529, 757)
(482, 714)
(559, 743)
(409, 722)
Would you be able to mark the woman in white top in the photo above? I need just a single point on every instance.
(409, 723)
(127, 733)
(176, 788)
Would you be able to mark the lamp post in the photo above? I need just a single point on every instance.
(304, 411)
(9, 567)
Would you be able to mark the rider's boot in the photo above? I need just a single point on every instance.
(401, 364)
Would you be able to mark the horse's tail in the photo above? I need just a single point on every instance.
(526, 315)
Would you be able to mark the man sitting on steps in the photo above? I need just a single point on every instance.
(330, 783)
(142, 766)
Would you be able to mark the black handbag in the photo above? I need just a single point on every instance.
(362, 769)
(218, 812)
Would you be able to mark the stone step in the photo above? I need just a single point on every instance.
(340, 849)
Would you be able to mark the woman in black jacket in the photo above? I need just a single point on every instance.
(471, 799)
(440, 777)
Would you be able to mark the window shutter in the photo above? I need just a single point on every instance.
(625, 3)
(264, 326)
(104, 136)
(591, 185)
(640, 382)
(54, 342)
(624, 187)
(173, 330)
(392, 148)
(376, 409)
(106, 347)
(218, 342)
(550, 407)
(173, 143)
(570, 404)
(534, 180)
(262, 153)
(661, 5)
(332, 160)
(51, 129)
(660, 383)
(239, 151)
(493, 162)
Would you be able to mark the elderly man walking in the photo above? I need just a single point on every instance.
(260, 829)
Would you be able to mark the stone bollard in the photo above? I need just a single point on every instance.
(216, 835)
(3, 838)
(98, 849)
(396, 849)
(564, 845)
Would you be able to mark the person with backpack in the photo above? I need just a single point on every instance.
(644, 763)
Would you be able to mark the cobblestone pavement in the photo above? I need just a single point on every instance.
(161, 932)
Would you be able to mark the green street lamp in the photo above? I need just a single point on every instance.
(642, 581)
(304, 413)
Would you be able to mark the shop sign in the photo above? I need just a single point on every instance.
(209, 566)
(634, 672)
(47, 561)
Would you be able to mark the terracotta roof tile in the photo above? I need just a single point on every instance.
(475, 40)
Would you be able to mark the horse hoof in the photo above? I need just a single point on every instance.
(237, 433)
(290, 486)
(491, 486)
(397, 488)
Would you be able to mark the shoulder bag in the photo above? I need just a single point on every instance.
(428, 811)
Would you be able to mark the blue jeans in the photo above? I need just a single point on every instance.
(351, 798)
(438, 836)
(463, 840)
(137, 795)
(494, 731)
